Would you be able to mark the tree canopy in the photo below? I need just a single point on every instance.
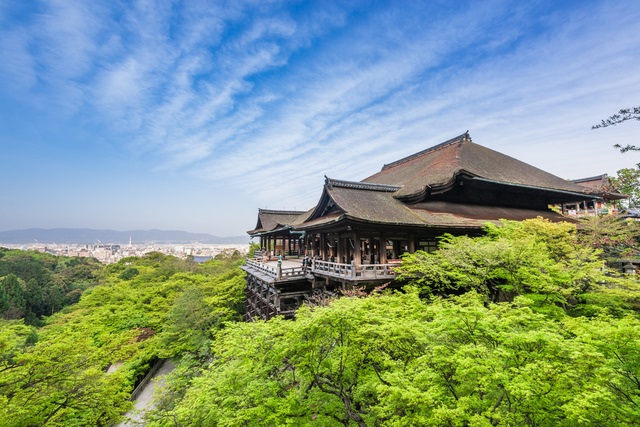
(57, 375)
(522, 326)
(35, 284)
(398, 360)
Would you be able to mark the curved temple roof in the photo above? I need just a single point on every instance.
(399, 193)
(269, 220)
(439, 165)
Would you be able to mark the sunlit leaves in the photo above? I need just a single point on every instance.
(58, 377)
(533, 257)
(397, 361)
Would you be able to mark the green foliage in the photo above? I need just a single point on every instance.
(537, 258)
(12, 297)
(394, 360)
(486, 334)
(253, 247)
(616, 238)
(58, 377)
(627, 181)
(48, 282)
(129, 273)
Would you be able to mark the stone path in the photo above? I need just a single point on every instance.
(144, 402)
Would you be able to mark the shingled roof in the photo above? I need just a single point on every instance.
(438, 167)
(601, 185)
(269, 220)
(375, 203)
(408, 192)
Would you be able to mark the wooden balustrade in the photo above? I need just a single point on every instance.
(334, 269)
(276, 271)
(354, 271)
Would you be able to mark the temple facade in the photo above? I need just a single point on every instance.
(357, 232)
(608, 203)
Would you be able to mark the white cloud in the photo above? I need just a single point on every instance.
(266, 99)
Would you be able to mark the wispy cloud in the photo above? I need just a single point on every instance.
(267, 97)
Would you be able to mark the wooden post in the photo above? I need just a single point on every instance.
(323, 246)
(356, 250)
(382, 250)
(412, 244)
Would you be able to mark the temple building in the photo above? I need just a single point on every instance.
(357, 232)
(609, 202)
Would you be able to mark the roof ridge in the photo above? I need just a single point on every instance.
(280, 212)
(358, 185)
(591, 178)
(464, 137)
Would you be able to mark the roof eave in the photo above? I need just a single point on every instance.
(533, 187)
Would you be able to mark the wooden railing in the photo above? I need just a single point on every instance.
(335, 269)
(276, 271)
(354, 271)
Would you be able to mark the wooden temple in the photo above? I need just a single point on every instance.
(357, 232)
(608, 203)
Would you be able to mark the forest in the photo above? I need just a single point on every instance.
(527, 325)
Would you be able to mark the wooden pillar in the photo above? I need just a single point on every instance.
(336, 248)
(357, 249)
(323, 246)
(412, 243)
(382, 249)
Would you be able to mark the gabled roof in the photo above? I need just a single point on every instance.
(360, 201)
(602, 186)
(437, 167)
(269, 220)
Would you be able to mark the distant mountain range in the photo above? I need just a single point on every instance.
(87, 236)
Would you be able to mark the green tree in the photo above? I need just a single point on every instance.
(395, 360)
(536, 258)
(60, 382)
(12, 297)
(616, 238)
(627, 181)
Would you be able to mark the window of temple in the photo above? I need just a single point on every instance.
(428, 245)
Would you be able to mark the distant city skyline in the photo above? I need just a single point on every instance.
(192, 115)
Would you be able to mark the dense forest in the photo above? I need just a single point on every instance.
(34, 284)
(140, 310)
(527, 325)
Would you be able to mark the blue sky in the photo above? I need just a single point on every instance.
(192, 115)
